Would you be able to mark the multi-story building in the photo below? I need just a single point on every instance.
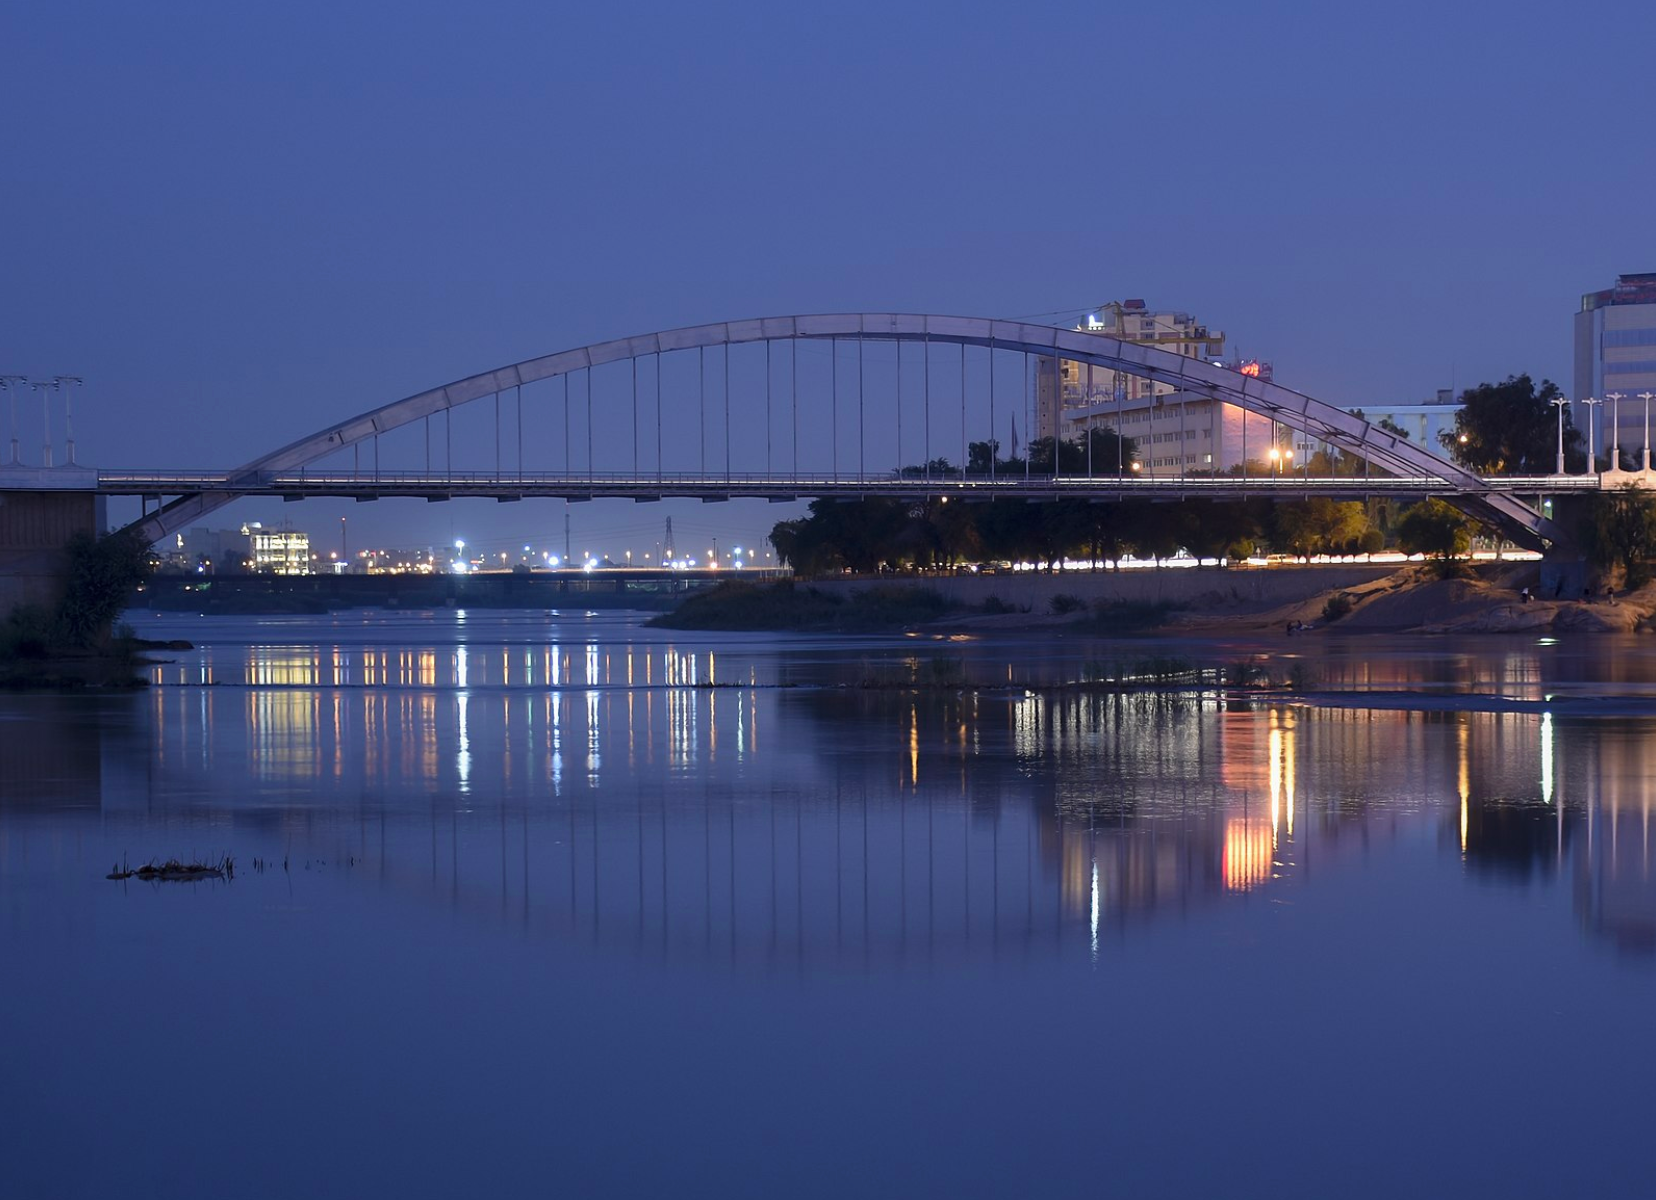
(279, 551)
(1063, 386)
(206, 551)
(1423, 422)
(1615, 352)
(1177, 432)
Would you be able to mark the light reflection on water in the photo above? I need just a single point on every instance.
(771, 847)
(944, 816)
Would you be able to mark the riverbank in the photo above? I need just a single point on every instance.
(1489, 598)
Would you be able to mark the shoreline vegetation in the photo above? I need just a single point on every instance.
(1489, 598)
(76, 642)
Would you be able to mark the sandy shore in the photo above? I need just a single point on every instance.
(1409, 600)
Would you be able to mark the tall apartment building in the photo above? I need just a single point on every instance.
(1615, 351)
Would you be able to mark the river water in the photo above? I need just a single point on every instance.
(531, 903)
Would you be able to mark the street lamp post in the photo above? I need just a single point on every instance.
(41, 386)
(67, 383)
(1560, 403)
(10, 383)
(1615, 399)
(1647, 397)
(1592, 443)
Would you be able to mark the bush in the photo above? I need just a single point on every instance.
(1336, 607)
(1131, 616)
(27, 633)
(1063, 604)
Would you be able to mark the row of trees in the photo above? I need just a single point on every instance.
(1506, 428)
(880, 533)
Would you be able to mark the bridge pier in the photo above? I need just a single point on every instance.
(1616, 478)
(35, 531)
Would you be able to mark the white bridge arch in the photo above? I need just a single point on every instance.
(1324, 422)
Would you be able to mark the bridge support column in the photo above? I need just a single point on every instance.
(35, 530)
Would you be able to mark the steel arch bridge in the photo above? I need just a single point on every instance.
(282, 471)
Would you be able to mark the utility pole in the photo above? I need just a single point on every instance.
(668, 554)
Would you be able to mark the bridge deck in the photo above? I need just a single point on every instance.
(581, 486)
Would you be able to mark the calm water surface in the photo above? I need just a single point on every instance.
(555, 904)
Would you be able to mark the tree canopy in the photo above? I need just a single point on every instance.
(1436, 530)
(1619, 529)
(1511, 428)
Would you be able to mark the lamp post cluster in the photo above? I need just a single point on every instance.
(1615, 399)
(12, 384)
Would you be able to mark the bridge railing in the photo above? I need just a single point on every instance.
(129, 482)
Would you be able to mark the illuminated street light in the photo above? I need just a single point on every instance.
(1560, 403)
(1592, 443)
(1647, 397)
(72, 381)
(1615, 399)
(10, 383)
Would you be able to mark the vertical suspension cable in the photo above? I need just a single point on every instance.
(965, 456)
(925, 350)
(701, 389)
(1028, 425)
(860, 422)
(635, 414)
(1090, 397)
(497, 435)
(568, 471)
(993, 448)
(448, 441)
(427, 424)
(727, 408)
(833, 405)
(899, 407)
(659, 467)
(590, 471)
(767, 408)
(793, 366)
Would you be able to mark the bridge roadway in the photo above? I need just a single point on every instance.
(299, 485)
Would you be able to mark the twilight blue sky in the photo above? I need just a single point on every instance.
(242, 222)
